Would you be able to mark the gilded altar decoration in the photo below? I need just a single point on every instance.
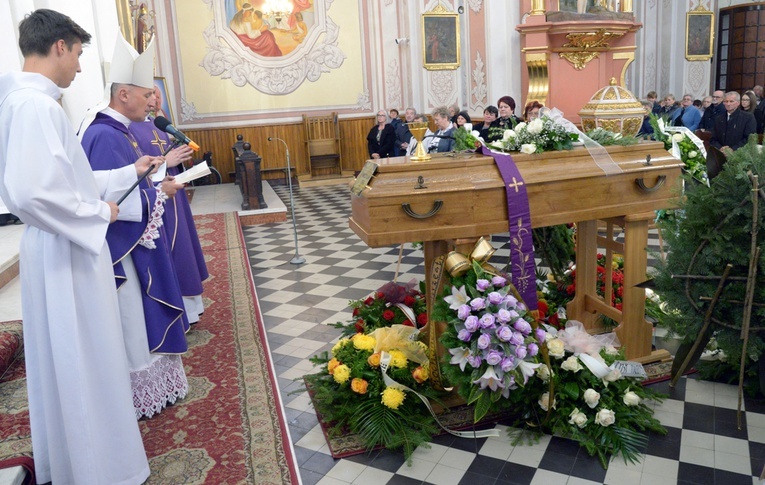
(613, 108)
(583, 47)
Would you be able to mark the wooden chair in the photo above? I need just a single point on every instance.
(323, 144)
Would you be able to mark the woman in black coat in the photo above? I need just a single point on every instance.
(507, 118)
(381, 137)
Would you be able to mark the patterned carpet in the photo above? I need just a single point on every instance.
(230, 428)
(703, 445)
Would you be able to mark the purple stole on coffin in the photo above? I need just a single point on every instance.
(179, 222)
(109, 145)
(522, 262)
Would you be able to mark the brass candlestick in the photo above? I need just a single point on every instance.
(418, 130)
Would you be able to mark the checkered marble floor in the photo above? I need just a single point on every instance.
(703, 446)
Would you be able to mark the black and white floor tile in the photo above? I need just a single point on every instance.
(703, 446)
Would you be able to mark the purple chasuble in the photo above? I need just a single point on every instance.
(179, 223)
(522, 263)
(109, 145)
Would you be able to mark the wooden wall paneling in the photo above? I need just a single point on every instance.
(353, 142)
(353, 146)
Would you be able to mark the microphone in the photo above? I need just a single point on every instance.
(164, 124)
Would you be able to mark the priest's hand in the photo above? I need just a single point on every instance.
(170, 186)
(143, 164)
(115, 210)
(179, 155)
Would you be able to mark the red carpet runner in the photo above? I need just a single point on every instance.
(230, 428)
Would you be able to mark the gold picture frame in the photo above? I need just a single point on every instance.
(440, 39)
(164, 108)
(699, 34)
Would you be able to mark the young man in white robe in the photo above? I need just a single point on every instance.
(80, 407)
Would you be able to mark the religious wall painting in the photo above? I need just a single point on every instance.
(699, 34)
(160, 90)
(273, 45)
(440, 39)
(270, 28)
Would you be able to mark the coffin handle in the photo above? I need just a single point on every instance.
(437, 204)
(640, 183)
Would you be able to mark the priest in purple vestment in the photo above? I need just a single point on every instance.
(178, 220)
(151, 304)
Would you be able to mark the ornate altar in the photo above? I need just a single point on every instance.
(453, 200)
(588, 49)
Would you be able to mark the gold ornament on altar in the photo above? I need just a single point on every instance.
(613, 108)
(418, 130)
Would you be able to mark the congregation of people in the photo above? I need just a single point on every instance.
(391, 136)
(97, 359)
(725, 119)
(728, 119)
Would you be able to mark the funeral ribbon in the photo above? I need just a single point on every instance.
(522, 263)
(600, 155)
(403, 338)
(585, 346)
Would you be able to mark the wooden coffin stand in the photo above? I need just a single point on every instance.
(462, 197)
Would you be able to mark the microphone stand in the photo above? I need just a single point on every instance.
(297, 259)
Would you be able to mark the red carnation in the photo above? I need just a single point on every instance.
(408, 323)
(369, 301)
(355, 312)
(570, 289)
(620, 291)
(554, 320)
(618, 306)
(388, 315)
(422, 319)
(542, 307)
(380, 295)
(409, 301)
(359, 326)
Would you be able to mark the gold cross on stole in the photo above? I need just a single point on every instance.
(514, 185)
(158, 141)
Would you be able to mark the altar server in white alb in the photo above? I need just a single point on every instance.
(83, 424)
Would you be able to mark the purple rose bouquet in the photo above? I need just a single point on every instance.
(493, 347)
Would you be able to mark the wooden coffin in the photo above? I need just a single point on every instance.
(459, 198)
(563, 186)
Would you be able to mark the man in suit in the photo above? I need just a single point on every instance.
(731, 130)
(716, 109)
(688, 115)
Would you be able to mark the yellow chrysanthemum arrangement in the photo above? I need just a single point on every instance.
(351, 393)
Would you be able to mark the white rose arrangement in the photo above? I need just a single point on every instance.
(540, 135)
(588, 399)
